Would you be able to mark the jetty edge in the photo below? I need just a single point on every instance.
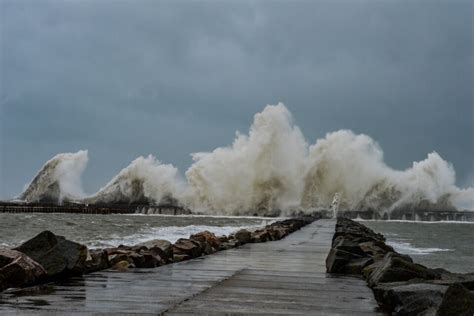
(400, 286)
(48, 257)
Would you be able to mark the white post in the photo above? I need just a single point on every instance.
(335, 205)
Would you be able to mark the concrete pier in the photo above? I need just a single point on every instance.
(279, 277)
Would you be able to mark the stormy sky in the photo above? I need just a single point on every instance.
(130, 78)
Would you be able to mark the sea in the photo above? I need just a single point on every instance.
(448, 245)
(96, 230)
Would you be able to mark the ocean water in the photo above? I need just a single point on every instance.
(448, 245)
(112, 230)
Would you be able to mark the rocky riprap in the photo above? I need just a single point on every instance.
(47, 257)
(400, 286)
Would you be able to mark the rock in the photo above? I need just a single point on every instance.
(457, 301)
(346, 257)
(223, 238)
(117, 257)
(243, 236)
(164, 245)
(356, 266)
(405, 298)
(394, 267)
(181, 257)
(143, 260)
(58, 256)
(187, 247)
(231, 243)
(96, 260)
(17, 269)
(466, 280)
(139, 255)
(276, 232)
(367, 270)
(162, 257)
(376, 249)
(123, 266)
(207, 237)
(260, 235)
(207, 241)
(347, 245)
(338, 259)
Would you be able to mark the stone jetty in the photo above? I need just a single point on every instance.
(401, 286)
(268, 271)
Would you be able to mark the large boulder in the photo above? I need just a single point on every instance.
(59, 256)
(208, 237)
(184, 249)
(277, 232)
(466, 280)
(394, 268)
(243, 236)
(139, 256)
(376, 249)
(161, 246)
(97, 260)
(338, 260)
(405, 298)
(17, 269)
(208, 241)
(457, 301)
(346, 256)
(260, 235)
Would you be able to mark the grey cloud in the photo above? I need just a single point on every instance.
(124, 78)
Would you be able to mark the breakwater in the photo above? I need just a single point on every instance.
(286, 276)
(47, 256)
(401, 286)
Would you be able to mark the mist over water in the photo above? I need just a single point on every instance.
(273, 168)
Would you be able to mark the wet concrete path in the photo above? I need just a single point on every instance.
(280, 277)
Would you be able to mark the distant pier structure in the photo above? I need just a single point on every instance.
(167, 209)
(333, 211)
(410, 215)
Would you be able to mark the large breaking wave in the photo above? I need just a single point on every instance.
(272, 169)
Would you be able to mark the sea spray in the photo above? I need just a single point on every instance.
(272, 170)
(261, 171)
(58, 179)
(145, 180)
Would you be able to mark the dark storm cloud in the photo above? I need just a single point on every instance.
(128, 78)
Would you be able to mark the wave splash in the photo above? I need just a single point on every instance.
(58, 179)
(272, 169)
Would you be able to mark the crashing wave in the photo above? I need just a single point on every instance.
(271, 170)
(260, 172)
(59, 179)
(144, 181)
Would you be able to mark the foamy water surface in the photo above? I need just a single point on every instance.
(435, 244)
(113, 230)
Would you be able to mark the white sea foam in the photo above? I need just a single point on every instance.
(273, 168)
(408, 249)
(170, 233)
